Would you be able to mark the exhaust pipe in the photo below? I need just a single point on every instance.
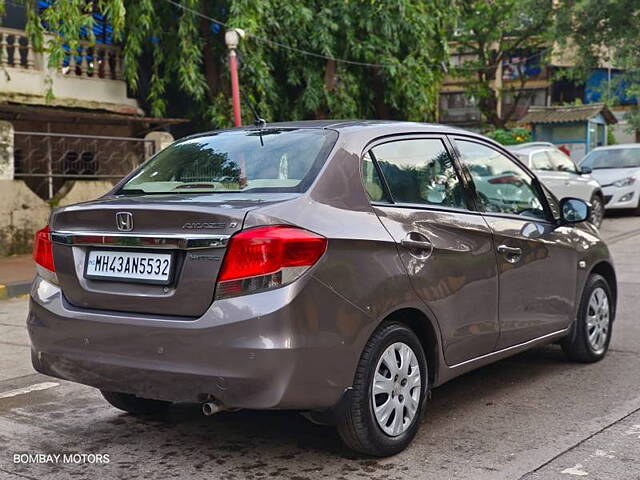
(212, 407)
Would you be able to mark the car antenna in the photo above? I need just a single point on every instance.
(258, 121)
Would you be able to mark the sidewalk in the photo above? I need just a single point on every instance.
(16, 273)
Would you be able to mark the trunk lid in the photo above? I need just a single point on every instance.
(193, 228)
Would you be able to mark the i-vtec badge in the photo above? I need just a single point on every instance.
(124, 221)
(202, 225)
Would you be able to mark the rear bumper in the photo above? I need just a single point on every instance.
(295, 347)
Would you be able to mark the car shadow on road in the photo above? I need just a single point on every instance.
(278, 444)
(283, 435)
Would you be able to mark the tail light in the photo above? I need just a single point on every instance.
(267, 257)
(43, 250)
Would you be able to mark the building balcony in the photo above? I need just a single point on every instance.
(89, 79)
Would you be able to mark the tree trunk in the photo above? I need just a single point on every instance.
(211, 67)
(379, 101)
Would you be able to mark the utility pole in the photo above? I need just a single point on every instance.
(497, 86)
(232, 38)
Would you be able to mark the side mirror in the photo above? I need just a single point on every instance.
(574, 210)
(585, 170)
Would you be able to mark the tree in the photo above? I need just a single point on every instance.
(175, 56)
(605, 31)
(487, 34)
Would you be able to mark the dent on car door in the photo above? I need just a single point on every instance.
(446, 249)
(537, 261)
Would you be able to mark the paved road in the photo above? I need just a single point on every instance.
(534, 416)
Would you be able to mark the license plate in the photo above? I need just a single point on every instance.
(129, 266)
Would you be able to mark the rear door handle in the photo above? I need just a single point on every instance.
(419, 246)
(510, 250)
(416, 244)
(511, 254)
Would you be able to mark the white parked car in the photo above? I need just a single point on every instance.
(617, 168)
(560, 175)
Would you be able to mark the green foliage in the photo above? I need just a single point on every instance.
(605, 31)
(510, 137)
(172, 53)
(487, 32)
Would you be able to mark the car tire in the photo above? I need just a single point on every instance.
(135, 405)
(597, 210)
(591, 333)
(368, 432)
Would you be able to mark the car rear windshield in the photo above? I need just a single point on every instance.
(613, 158)
(267, 160)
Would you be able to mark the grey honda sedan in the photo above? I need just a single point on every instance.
(339, 269)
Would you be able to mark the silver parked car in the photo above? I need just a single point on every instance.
(340, 269)
(561, 175)
(617, 168)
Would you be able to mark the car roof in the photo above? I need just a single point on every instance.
(392, 126)
(617, 147)
(527, 145)
(533, 149)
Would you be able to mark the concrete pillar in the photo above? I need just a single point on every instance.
(6, 150)
(160, 139)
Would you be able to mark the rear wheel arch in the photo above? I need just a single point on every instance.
(425, 330)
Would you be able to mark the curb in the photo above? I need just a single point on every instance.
(16, 289)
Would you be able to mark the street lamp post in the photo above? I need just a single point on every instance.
(232, 38)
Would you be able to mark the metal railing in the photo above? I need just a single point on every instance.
(46, 160)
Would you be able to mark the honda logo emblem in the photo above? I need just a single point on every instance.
(124, 221)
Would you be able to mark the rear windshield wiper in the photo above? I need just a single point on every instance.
(195, 185)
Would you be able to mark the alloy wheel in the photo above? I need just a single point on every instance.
(395, 392)
(598, 313)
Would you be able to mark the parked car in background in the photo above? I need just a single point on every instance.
(617, 168)
(341, 269)
(560, 175)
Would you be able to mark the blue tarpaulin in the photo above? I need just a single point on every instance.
(596, 87)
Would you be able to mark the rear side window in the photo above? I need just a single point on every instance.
(420, 171)
(371, 181)
(268, 160)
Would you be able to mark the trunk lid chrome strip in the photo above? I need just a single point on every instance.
(137, 240)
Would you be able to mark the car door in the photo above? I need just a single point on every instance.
(574, 184)
(537, 263)
(446, 248)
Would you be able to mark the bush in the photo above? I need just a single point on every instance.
(510, 137)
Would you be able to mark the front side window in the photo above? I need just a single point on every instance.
(501, 185)
(541, 161)
(562, 163)
(268, 160)
(420, 171)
